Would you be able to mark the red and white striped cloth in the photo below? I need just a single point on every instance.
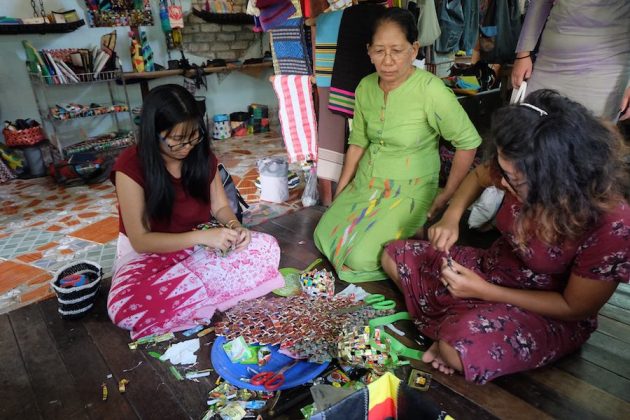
(297, 116)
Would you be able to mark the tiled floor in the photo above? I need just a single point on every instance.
(239, 155)
(44, 227)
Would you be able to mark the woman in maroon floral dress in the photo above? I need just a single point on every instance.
(533, 296)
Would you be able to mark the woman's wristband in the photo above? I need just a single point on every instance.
(231, 224)
(525, 56)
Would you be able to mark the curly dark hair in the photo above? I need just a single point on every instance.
(573, 163)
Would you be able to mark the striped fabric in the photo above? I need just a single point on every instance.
(326, 46)
(289, 49)
(341, 101)
(297, 116)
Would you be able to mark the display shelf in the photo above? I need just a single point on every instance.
(79, 132)
(189, 73)
(108, 144)
(84, 78)
(91, 112)
(144, 77)
(40, 28)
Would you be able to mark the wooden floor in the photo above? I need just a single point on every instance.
(53, 369)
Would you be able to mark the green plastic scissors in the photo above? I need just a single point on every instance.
(376, 301)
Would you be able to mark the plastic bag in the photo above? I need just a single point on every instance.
(485, 208)
(518, 95)
(310, 196)
(274, 185)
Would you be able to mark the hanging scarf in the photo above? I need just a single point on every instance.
(297, 116)
(352, 62)
(288, 46)
(326, 46)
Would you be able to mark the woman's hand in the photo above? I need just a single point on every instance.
(219, 238)
(522, 70)
(244, 238)
(462, 282)
(440, 201)
(444, 234)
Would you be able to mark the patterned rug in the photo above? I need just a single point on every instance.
(44, 226)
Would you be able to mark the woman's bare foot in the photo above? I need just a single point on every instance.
(432, 356)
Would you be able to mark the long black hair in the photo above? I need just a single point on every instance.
(401, 17)
(572, 161)
(164, 107)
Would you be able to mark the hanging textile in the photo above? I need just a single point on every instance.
(274, 13)
(289, 50)
(428, 25)
(499, 32)
(352, 62)
(459, 23)
(326, 46)
(297, 116)
(331, 134)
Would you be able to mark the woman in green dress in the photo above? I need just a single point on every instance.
(389, 181)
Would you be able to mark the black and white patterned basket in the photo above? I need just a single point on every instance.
(75, 302)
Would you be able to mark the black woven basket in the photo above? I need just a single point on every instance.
(75, 302)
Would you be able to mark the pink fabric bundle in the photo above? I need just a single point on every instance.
(297, 116)
(157, 293)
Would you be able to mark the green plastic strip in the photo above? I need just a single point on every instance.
(397, 347)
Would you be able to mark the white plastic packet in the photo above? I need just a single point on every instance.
(485, 208)
(274, 184)
(310, 196)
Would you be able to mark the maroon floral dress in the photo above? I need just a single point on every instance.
(495, 339)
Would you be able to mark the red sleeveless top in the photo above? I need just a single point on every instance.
(187, 213)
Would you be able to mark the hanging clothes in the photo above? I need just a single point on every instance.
(499, 32)
(427, 22)
(326, 37)
(274, 13)
(297, 116)
(289, 49)
(352, 62)
(459, 22)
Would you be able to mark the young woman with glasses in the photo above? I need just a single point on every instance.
(167, 275)
(389, 181)
(534, 295)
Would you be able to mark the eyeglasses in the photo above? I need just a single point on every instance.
(180, 145)
(395, 54)
(507, 178)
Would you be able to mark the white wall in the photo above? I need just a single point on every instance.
(233, 93)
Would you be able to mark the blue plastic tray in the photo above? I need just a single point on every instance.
(233, 372)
